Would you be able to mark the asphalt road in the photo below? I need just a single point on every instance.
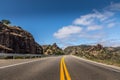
(58, 68)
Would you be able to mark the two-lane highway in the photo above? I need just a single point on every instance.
(58, 68)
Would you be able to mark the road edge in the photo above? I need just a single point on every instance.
(106, 66)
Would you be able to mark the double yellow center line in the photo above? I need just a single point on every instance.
(64, 74)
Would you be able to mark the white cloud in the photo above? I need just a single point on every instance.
(110, 25)
(94, 27)
(90, 19)
(92, 36)
(83, 20)
(96, 20)
(66, 31)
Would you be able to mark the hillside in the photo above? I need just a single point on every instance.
(97, 52)
(52, 49)
(13, 39)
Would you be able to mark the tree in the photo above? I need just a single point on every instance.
(4, 21)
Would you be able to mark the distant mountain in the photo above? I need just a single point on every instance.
(52, 49)
(13, 39)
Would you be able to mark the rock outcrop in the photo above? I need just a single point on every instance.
(94, 51)
(52, 50)
(13, 39)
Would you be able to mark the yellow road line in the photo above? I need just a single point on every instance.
(64, 71)
(62, 77)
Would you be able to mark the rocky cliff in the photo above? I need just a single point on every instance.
(52, 49)
(13, 39)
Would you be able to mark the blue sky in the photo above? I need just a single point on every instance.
(66, 22)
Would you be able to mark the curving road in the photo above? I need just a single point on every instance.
(58, 68)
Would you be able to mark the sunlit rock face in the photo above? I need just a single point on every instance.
(52, 49)
(13, 39)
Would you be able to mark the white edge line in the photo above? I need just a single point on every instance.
(110, 67)
(19, 64)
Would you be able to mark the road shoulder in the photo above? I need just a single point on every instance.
(110, 67)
